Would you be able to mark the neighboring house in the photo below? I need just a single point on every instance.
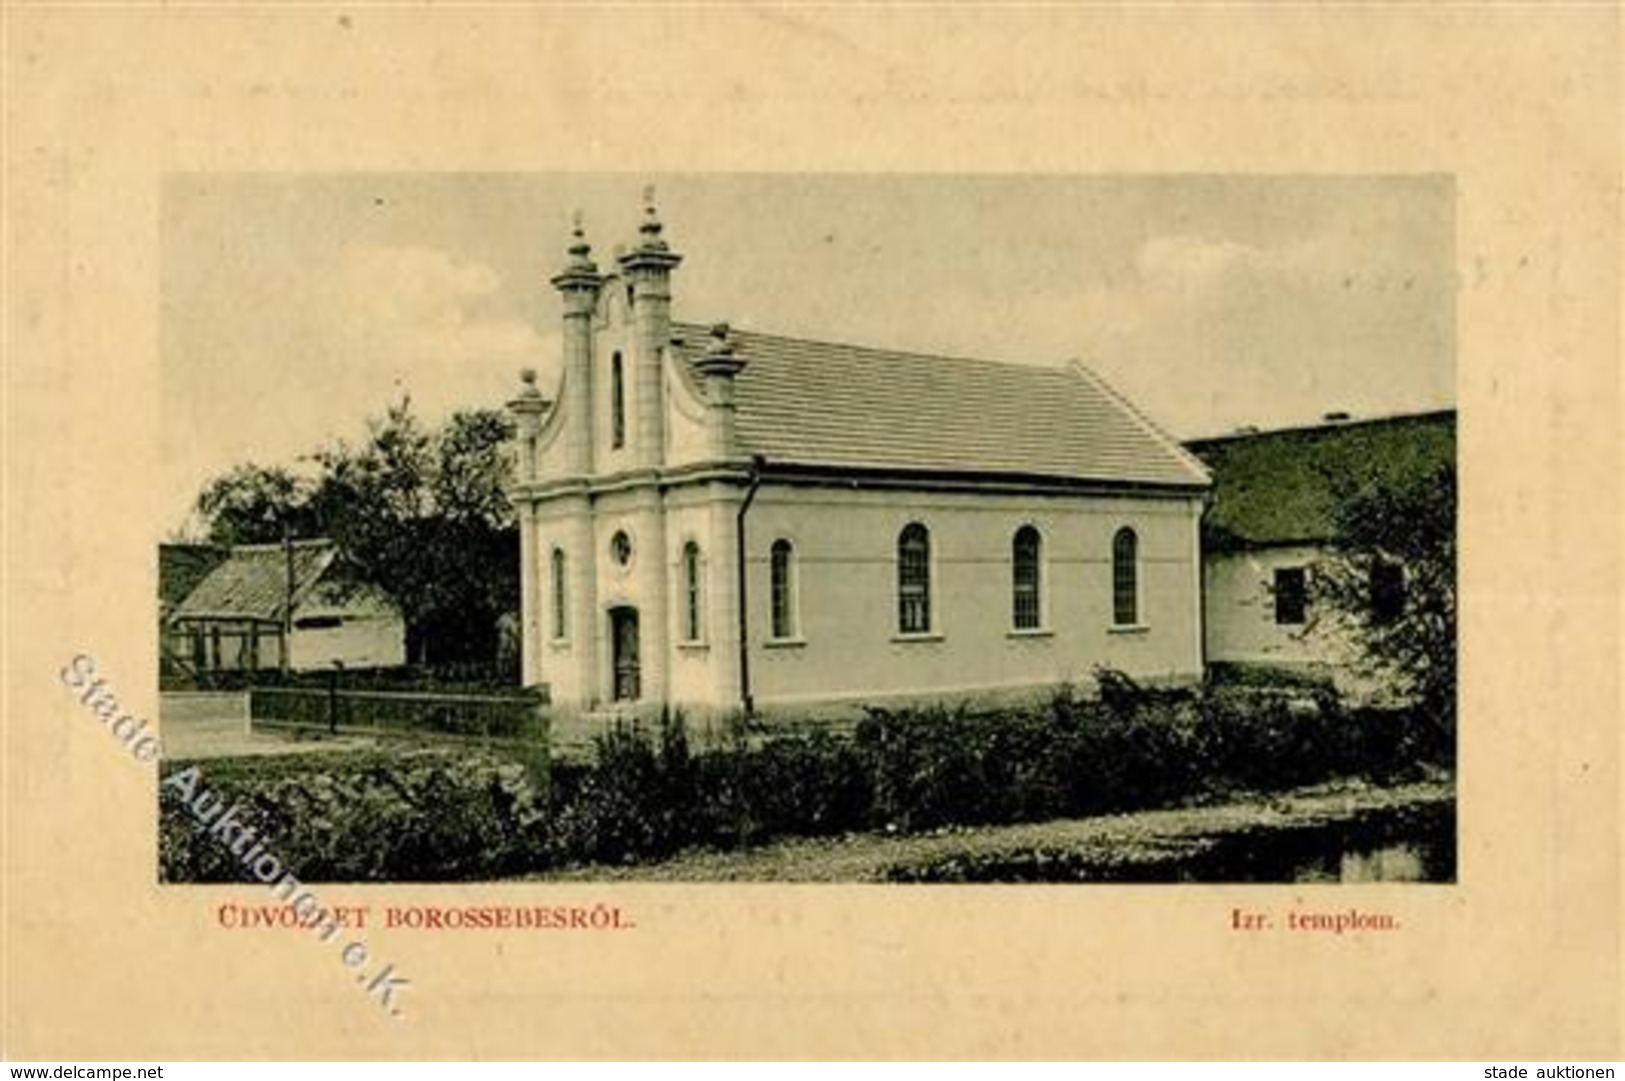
(725, 520)
(235, 619)
(179, 571)
(180, 568)
(1272, 515)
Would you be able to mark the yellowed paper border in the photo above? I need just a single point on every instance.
(1520, 104)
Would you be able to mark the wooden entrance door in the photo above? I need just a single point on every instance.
(623, 633)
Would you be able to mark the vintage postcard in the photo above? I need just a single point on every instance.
(818, 533)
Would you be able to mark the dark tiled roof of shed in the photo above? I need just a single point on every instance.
(1281, 487)
(253, 581)
(181, 567)
(826, 404)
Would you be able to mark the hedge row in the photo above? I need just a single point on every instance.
(385, 816)
(443, 815)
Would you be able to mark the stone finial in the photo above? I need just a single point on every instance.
(580, 251)
(530, 404)
(580, 274)
(651, 257)
(719, 358)
(651, 227)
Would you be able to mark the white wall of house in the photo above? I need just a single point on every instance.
(673, 666)
(363, 642)
(1241, 619)
(846, 645)
(365, 632)
(849, 645)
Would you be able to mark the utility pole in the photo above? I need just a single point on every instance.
(287, 599)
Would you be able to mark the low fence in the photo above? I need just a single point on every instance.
(520, 716)
(188, 707)
(177, 673)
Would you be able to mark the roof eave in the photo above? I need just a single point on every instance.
(792, 471)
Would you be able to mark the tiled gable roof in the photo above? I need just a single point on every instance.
(1281, 487)
(253, 581)
(181, 567)
(831, 405)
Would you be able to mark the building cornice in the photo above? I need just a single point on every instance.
(738, 471)
(727, 472)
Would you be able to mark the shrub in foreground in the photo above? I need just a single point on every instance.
(401, 816)
(461, 815)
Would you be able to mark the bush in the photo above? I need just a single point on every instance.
(635, 803)
(810, 783)
(443, 816)
(415, 816)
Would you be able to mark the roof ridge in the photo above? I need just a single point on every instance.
(1328, 425)
(1032, 366)
(277, 546)
(233, 586)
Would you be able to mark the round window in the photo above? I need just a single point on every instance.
(620, 548)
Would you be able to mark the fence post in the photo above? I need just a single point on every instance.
(333, 699)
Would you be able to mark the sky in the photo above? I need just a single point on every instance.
(295, 306)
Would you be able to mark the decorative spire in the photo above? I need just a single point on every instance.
(580, 273)
(651, 257)
(527, 376)
(580, 251)
(651, 226)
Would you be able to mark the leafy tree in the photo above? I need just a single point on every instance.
(425, 516)
(421, 513)
(252, 504)
(1392, 575)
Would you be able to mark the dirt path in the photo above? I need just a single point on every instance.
(1145, 836)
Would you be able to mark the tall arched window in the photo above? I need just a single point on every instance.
(617, 401)
(692, 626)
(1125, 578)
(781, 566)
(561, 625)
(914, 579)
(1025, 598)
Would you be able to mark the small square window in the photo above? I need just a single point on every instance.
(1387, 592)
(1291, 595)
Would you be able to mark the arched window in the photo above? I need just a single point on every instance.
(781, 568)
(561, 624)
(1027, 611)
(1125, 578)
(617, 402)
(914, 579)
(691, 592)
